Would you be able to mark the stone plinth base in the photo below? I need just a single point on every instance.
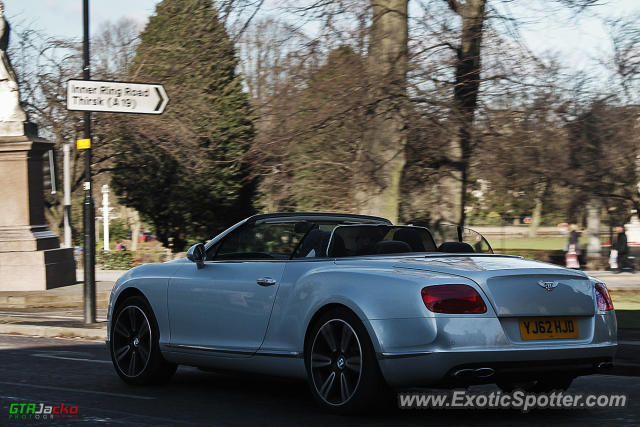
(27, 238)
(37, 270)
(30, 256)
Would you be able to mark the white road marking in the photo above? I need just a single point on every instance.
(51, 356)
(78, 390)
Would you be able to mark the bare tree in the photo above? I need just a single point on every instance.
(383, 157)
(466, 40)
(625, 36)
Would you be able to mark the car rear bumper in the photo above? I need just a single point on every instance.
(472, 367)
(463, 368)
(464, 350)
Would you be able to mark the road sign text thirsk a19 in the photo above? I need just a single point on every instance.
(116, 97)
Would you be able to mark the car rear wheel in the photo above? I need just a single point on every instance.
(342, 369)
(133, 344)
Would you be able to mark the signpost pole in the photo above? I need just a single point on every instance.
(88, 205)
(67, 197)
(105, 216)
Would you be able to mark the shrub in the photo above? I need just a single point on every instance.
(118, 230)
(115, 260)
(493, 218)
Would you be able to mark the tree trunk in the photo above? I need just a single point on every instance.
(536, 215)
(465, 95)
(593, 227)
(383, 159)
(135, 228)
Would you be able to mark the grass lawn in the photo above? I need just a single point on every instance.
(546, 243)
(626, 300)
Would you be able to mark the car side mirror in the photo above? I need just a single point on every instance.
(196, 253)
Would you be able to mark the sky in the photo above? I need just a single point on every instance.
(64, 17)
(543, 28)
(583, 40)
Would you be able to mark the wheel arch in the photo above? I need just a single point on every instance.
(131, 291)
(126, 293)
(122, 296)
(354, 310)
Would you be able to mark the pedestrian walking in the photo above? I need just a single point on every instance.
(622, 247)
(573, 249)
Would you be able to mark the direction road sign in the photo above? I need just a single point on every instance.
(116, 97)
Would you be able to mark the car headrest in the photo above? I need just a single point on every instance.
(317, 240)
(337, 249)
(411, 238)
(455, 247)
(391, 247)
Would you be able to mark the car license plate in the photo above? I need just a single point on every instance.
(548, 328)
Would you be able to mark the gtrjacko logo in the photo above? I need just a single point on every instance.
(40, 411)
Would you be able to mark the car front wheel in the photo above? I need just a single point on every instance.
(134, 344)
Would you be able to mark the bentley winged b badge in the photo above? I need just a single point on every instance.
(547, 285)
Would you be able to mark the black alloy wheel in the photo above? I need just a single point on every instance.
(134, 344)
(342, 367)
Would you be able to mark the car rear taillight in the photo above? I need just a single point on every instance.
(453, 299)
(603, 297)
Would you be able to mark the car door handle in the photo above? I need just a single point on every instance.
(266, 281)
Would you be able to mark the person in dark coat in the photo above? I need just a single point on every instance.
(622, 247)
(574, 236)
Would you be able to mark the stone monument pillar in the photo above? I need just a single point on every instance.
(30, 254)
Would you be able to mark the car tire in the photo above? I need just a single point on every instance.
(133, 344)
(342, 369)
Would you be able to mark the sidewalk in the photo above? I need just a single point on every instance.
(66, 296)
(57, 312)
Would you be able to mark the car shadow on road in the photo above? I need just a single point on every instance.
(82, 373)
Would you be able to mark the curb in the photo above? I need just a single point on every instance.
(43, 301)
(98, 334)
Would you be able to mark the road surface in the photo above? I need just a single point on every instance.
(54, 371)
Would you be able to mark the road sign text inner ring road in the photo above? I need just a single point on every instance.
(116, 97)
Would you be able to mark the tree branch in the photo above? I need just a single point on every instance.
(454, 5)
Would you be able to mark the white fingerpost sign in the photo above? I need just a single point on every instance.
(116, 97)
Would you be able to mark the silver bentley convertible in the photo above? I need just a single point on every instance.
(356, 305)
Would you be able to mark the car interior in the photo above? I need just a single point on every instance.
(305, 239)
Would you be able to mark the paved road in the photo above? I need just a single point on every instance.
(619, 281)
(54, 371)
